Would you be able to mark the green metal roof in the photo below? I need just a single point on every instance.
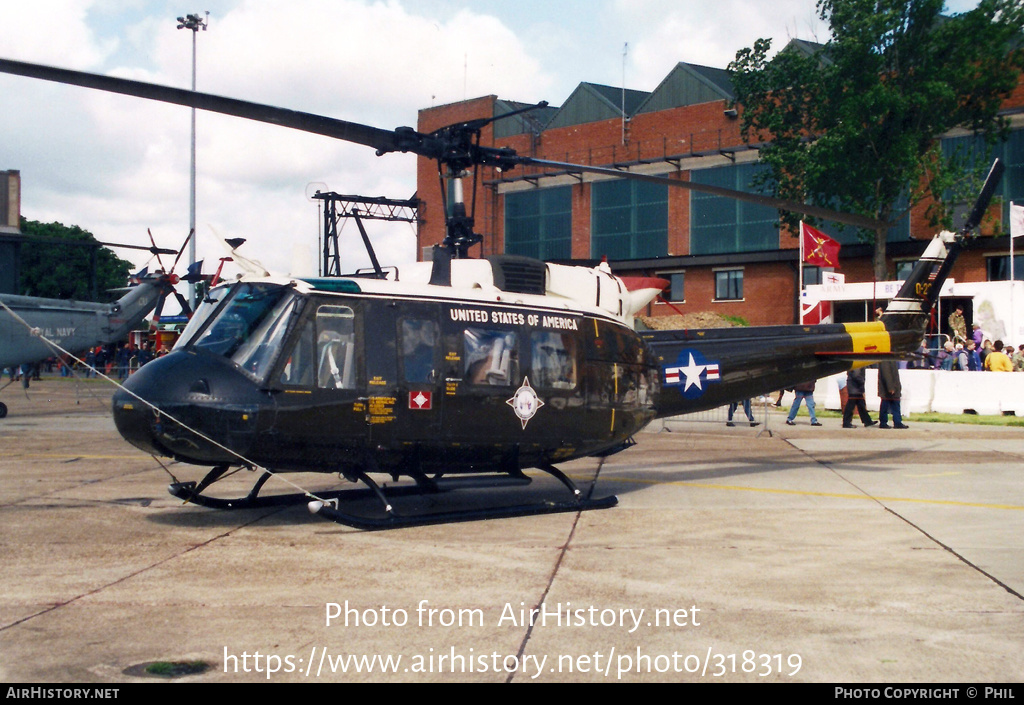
(591, 102)
(532, 122)
(689, 84)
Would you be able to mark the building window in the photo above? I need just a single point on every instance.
(629, 219)
(812, 275)
(975, 153)
(729, 285)
(538, 223)
(720, 225)
(676, 288)
(904, 268)
(998, 268)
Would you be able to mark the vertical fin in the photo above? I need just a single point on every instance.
(911, 307)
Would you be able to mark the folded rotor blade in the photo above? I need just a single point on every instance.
(191, 232)
(159, 309)
(151, 249)
(183, 302)
(158, 260)
(995, 173)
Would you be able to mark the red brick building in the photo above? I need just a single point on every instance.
(721, 255)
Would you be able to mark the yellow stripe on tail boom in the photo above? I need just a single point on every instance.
(869, 337)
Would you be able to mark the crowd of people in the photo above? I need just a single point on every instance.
(113, 360)
(963, 352)
(990, 356)
(975, 352)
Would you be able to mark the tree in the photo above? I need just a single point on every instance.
(59, 271)
(856, 125)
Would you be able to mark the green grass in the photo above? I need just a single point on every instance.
(174, 669)
(934, 417)
(975, 419)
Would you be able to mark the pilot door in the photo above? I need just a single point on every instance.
(321, 402)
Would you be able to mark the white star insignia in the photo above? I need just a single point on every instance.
(692, 372)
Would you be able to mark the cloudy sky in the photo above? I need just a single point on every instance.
(118, 166)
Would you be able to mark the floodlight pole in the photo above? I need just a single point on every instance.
(194, 23)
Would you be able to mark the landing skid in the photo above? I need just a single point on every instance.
(329, 505)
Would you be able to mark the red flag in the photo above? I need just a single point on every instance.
(819, 249)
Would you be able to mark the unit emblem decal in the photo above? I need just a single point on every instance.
(691, 373)
(421, 401)
(525, 402)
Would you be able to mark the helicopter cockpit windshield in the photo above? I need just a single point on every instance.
(247, 326)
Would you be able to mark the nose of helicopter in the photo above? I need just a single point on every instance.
(191, 407)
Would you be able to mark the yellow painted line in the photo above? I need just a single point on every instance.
(834, 495)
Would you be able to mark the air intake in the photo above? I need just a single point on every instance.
(519, 275)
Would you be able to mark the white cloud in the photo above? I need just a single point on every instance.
(53, 32)
(118, 166)
(707, 34)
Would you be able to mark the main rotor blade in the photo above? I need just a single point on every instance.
(90, 243)
(191, 232)
(857, 221)
(152, 250)
(403, 139)
(381, 140)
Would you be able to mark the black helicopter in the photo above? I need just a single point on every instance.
(458, 372)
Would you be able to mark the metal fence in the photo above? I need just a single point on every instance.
(761, 408)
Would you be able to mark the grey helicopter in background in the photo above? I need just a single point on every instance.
(29, 324)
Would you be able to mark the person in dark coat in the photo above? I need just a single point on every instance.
(855, 399)
(889, 391)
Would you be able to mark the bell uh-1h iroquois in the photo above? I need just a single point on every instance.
(458, 372)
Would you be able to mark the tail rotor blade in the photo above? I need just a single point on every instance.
(186, 309)
(159, 309)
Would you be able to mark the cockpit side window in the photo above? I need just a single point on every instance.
(301, 363)
(336, 347)
(263, 344)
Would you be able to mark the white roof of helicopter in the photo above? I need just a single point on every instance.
(587, 290)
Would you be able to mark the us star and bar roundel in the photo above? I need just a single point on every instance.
(691, 372)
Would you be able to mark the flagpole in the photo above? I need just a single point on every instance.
(1013, 283)
(800, 277)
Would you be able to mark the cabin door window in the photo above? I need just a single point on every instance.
(336, 347)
